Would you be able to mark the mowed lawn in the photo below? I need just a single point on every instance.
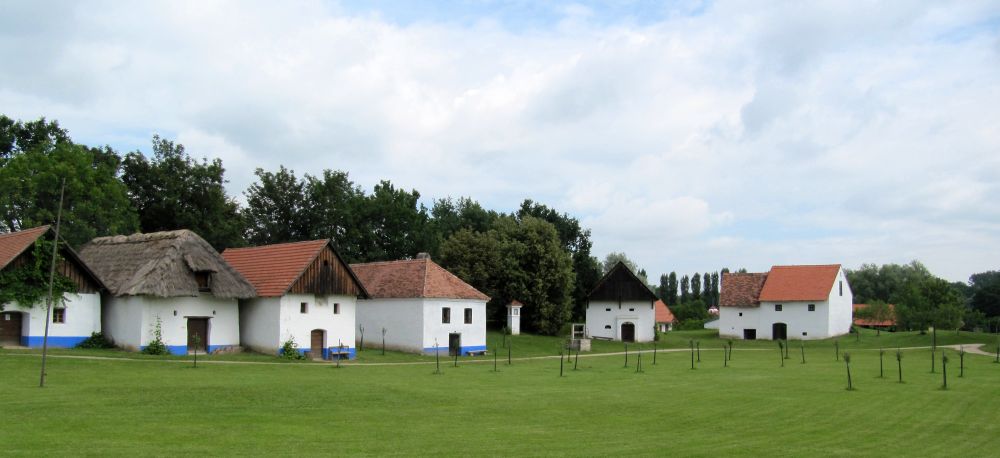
(753, 407)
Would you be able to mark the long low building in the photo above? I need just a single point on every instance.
(788, 302)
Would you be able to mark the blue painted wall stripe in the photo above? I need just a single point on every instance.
(464, 350)
(54, 342)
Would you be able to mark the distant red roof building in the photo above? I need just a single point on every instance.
(873, 323)
(663, 313)
(414, 278)
(274, 269)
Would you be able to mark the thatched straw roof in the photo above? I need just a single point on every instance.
(162, 264)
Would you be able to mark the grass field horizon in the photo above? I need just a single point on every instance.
(753, 407)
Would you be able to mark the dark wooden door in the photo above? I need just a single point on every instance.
(197, 327)
(316, 343)
(455, 344)
(628, 332)
(779, 331)
(10, 328)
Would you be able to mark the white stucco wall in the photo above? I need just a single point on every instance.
(514, 319)
(797, 317)
(340, 328)
(841, 306)
(260, 325)
(83, 317)
(412, 324)
(123, 314)
(605, 318)
(732, 324)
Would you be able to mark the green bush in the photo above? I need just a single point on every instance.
(157, 347)
(689, 325)
(96, 340)
(290, 350)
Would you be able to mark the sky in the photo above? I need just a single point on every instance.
(691, 135)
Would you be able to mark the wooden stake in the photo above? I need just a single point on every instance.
(52, 276)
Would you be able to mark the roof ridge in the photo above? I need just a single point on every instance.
(397, 261)
(301, 242)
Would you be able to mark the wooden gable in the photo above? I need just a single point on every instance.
(328, 274)
(70, 267)
(619, 285)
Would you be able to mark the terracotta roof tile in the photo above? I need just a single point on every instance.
(272, 269)
(741, 289)
(413, 278)
(866, 322)
(799, 283)
(663, 313)
(14, 243)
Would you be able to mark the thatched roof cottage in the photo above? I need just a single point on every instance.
(174, 280)
(74, 316)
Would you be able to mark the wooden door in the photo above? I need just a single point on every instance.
(455, 344)
(316, 343)
(628, 332)
(779, 331)
(10, 328)
(197, 327)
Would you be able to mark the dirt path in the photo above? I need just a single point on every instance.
(973, 348)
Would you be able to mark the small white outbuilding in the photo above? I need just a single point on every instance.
(422, 307)
(621, 307)
(174, 281)
(788, 302)
(305, 292)
(74, 317)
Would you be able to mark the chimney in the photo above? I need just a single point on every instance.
(423, 255)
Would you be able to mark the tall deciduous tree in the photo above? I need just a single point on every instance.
(173, 191)
(277, 208)
(671, 296)
(930, 302)
(685, 292)
(985, 287)
(696, 286)
(392, 223)
(34, 158)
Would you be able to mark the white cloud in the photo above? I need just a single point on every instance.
(745, 135)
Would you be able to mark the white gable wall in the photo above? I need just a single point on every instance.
(260, 326)
(605, 318)
(340, 328)
(797, 317)
(83, 317)
(841, 306)
(403, 320)
(733, 320)
(473, 335)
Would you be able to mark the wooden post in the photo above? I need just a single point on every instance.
(899, 363)
(698, 346)
(456, 356)
(509, 345)
(725, 357)
(638, 362)
(847, 361)
(944, 369)
(932, 359)
(692, 353)
(802, 346)
(626, 355)
(730, 350)
(654, 352)
(362, 344)
(781, 352)
(881, 354)
(383, 341)
(560, 363)
(576, 361)
(494, 358)
(437, 357)
(52, 278)
(961, 362)
(197, 342)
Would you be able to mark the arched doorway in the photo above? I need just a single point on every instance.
(11, 324)
(316, 343)
(628, 332)
(779, 331)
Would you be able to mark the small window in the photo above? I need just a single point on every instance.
(741, 313)
(841, 284)
(777, 307)
(446, 315)
(607, 326)
(517, 312)
(336, 308)
(204, 280)
(468, 316)
(59, 315)
(607, 309)
(631, 309)
(304, 307)
(805, 333)
(812, 307)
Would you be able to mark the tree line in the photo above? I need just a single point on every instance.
(535, 254)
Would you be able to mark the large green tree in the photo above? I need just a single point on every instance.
(173, 191)
(671, 296)
(392, 225)
(931, 302)
(985, 287)
(277, 208)
(885, 283)
(36, 157)
(696, 287)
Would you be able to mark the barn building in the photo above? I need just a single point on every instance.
(74, 317)
(621, 307)
(788, 302)
(305, 292)
(173, 278)
(422, 307)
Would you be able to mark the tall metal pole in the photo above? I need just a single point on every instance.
(52, 276)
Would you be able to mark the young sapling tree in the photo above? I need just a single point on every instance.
(899, 364)
(944, 370)
(781, 352)
(961, 362)
(196, 339)
(802, 347)
(847, 362)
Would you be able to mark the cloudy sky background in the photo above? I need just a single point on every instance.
(690, 135)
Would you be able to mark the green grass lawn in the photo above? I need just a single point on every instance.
(751, 408)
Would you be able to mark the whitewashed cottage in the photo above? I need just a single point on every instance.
(174, 280)
(621, 307)
(305, 292)
(74, 317)
(422, 307)
(788, 302)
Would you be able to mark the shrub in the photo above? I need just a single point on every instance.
(290, 350)
(96, 340)
(157, 347)
(690, 325)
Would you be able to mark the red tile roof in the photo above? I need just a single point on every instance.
(663, 313)
(799, 283)
(14, 243)
(741, 289)
(414, 278)
(517, 303)
(867, 322)
(272, 269)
